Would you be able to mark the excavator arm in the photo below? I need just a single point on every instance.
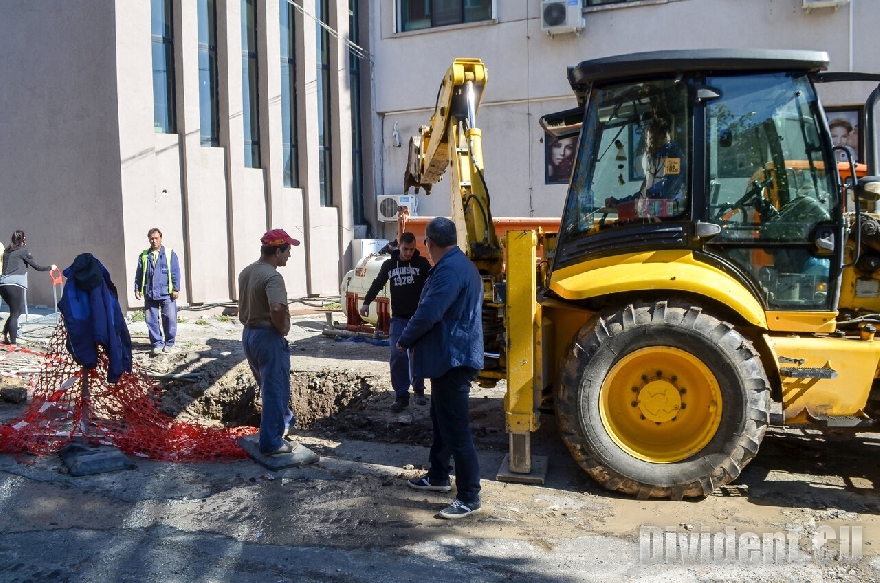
(452, 141)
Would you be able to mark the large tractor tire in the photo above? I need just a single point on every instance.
(662, 401)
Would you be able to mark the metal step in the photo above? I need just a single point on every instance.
(807, 372)
(848, 421)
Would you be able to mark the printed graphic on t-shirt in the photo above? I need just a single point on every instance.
(404, 275)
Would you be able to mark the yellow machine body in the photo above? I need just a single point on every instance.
(850, 363)
(647, 354)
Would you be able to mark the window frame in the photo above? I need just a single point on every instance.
(166, 102)
(250, 79)
(289, 92)
(357, 154)
(402, 27)
(208, 51)
(324, 102)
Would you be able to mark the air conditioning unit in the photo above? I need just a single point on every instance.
(360, 248)
(810, 4)
(389, 204)
(561, 16)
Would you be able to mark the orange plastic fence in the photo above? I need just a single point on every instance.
(69, 402)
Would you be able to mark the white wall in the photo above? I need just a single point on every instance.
(528, 74)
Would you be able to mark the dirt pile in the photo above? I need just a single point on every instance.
(234, 398)
(339, 389)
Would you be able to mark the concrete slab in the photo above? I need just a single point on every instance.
(300, 456)
(538, 475)
(84, 459)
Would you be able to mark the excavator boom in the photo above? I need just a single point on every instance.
(452, 141)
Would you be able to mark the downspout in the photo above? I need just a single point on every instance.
(851, 40)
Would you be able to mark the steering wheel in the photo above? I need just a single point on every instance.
(752, 198)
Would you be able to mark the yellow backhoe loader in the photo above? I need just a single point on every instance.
(713, 257)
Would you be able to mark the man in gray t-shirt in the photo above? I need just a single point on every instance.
(262, 308)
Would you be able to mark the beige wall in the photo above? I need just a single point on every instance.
(60, 157)
(527, 74)
(82, 169)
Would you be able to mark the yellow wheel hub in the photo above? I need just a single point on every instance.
(661, 404)
(659, 401)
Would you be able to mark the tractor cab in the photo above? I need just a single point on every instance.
(719, 157)
(708, 262)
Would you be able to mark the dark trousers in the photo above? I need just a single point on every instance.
(452, 433)
(400, 370)
(13, 295)
(269, 358)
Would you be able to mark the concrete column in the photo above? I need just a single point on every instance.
(342, 142)
(203, 174)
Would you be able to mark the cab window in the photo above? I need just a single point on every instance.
(633, 166)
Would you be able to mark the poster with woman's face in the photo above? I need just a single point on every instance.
(843, 123)
(558, 158)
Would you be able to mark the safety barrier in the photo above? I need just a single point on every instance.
(69, 402)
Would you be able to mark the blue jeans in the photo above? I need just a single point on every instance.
(400, 377)
(168, 308)
(269, 358)
(452, 433)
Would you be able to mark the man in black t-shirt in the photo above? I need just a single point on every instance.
(407, 271)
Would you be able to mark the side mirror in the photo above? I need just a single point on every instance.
(823, 238)
(869, 188)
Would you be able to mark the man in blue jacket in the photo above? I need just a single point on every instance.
(157, 280)
(446, 337)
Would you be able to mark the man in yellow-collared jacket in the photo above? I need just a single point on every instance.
(157, 280)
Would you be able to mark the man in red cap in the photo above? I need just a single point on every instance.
(262, 308)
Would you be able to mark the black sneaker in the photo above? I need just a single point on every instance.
(420, 399)
(399, 405)
(459, 509)
(424, 483)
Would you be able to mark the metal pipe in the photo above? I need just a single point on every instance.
(352, 334)
(471, 105)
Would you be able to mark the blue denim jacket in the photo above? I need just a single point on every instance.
(447, 329)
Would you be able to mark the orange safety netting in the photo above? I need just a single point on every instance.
(70, 402)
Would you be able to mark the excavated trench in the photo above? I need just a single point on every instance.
(330, 403)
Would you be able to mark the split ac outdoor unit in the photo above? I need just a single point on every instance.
(389, 204)
(810, 4)
(561, 16)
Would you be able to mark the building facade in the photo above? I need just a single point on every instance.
(213, 120)
(216, 120)
(415, 41)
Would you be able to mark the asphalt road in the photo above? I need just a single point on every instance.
(351, 517)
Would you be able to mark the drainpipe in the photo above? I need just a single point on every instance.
(851, 40)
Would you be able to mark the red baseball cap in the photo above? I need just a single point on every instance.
(278, 237)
